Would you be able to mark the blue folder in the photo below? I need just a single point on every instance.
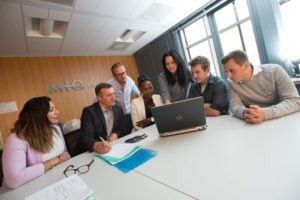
(135, 160)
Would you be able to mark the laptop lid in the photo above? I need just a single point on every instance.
(180, 116)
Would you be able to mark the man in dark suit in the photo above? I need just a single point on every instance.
(102, 119)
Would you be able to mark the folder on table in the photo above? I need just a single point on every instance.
(119, 152)
(135, 160)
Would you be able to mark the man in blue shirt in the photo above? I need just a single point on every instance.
(124, 87)
(212, 88)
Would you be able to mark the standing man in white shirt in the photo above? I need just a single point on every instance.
(124, 87)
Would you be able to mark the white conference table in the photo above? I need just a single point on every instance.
(230, 160)
(106, 181)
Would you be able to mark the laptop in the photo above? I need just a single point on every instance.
(180, 117)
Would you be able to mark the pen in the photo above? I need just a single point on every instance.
(144, 136)
(101, 138)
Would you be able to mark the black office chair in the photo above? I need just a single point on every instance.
(71, 139)
(1, 170)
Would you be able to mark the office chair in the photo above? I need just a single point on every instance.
(1, 169)
(71, 139)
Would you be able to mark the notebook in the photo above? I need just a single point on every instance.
(180, 117)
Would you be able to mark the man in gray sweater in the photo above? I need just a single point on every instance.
(259, 93)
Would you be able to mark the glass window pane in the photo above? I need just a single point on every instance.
(242, 9)
(230, 40)
(225, 17)
(195, 32)
(290, 16)
(203, 49)
(250, 43)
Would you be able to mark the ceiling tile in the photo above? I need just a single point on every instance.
(12, 40)
(59, 15)
(76, 28)
(37, 12)
(43, 44)
(87, 5)
(108, 7)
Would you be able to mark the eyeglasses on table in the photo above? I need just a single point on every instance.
(70, 170)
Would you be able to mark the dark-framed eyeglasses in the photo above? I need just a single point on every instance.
(70, 170)
(120, 74)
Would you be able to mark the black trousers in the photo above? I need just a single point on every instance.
(127, 125)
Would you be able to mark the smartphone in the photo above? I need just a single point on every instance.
(136, 138)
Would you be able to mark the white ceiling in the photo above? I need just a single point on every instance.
(93, 25)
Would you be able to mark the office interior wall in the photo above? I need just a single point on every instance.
(149, 58)
(1, 141)
(27, 77)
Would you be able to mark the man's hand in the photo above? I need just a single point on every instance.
(254, 114)
(102, 147)
(144, 123)
(112, 137)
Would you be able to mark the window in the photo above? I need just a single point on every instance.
(232, 26)
(235, 29)
(198, 42)
(290, 15)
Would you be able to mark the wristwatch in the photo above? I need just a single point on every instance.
(152, 119)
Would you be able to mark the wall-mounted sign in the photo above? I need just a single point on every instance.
(66, 86)
(8, 107)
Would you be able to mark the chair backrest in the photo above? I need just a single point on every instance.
(71, 139)
(1, 169)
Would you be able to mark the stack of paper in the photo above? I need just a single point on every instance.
(119, 152)
(71, 188)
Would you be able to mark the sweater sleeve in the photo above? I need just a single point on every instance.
(236, 105)
(289, 100)
(15, 168)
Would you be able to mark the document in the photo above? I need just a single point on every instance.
(71, 188)
(119, 152)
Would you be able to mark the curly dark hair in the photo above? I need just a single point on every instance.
(142, 79)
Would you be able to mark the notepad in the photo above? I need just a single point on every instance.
(119, 152)
(71, 188)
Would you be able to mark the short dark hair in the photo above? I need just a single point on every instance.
(142, 79)
(116, 65)
(100, 86)
(238, 56)
(200, 60)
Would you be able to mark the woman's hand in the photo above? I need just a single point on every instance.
(63, 157)
(49, 164)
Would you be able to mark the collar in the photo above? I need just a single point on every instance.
(256, 70)
(105, 109)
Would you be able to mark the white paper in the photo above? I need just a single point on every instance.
(120, 150)
(71, 188)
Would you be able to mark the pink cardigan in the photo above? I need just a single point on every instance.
(21, 163)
